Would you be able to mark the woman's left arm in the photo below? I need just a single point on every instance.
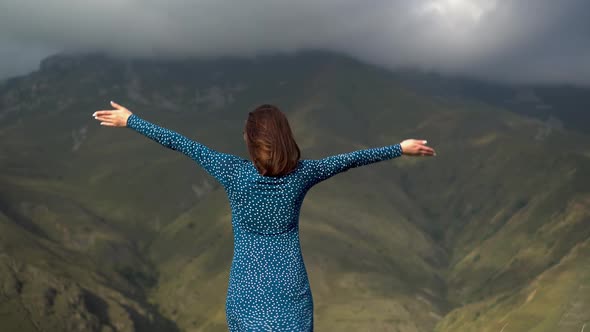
(221, 166)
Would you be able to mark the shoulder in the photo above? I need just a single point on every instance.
(235, 159)
(239, 163)
(226, 161)
(306, 166)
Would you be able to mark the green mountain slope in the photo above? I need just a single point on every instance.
(104, 230)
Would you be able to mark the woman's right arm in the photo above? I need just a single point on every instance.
(325, 168)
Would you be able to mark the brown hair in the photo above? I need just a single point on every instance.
(271, 145)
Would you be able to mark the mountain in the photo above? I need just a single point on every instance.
(559, 105)
(104, 230)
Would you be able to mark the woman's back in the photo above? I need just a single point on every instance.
(268, 285)
(263, 204)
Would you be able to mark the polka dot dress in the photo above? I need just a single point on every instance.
(268, 284)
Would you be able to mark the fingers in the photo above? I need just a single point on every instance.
(424, 150)
(103, 112)
(117, 106)
(109, 112)
(106, 120)
(427, 150)
(104, 117)
(417, 147)
(420, 141)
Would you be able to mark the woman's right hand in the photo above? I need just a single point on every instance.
(415, 147)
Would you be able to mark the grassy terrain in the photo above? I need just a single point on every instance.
(104, 230)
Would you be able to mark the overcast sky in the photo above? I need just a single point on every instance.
(511, 40)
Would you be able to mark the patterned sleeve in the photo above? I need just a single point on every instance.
(221, 166)
(323, 169)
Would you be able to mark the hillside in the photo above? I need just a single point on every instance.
(104, 230)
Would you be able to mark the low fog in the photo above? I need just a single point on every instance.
(531, 41)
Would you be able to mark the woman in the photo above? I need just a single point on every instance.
(268, 283)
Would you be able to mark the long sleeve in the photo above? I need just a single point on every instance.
(221, 166)
(323, 169)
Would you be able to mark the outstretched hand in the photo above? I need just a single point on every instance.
(415, 147)
(113, 118)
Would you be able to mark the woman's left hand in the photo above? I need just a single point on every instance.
(113, 118)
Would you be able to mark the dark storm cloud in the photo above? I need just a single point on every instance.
(17, 58)
(515, 40)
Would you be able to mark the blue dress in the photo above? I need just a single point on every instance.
(268, 285)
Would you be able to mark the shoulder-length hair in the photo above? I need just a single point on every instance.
(271, 145)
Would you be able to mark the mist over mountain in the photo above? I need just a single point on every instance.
(526, 41)
(104, 230)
